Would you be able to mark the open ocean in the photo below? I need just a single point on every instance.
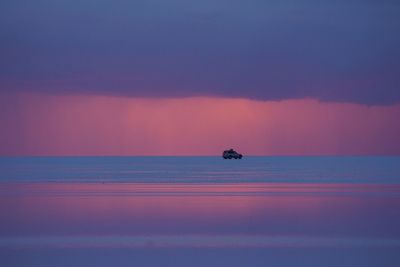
(199, 211)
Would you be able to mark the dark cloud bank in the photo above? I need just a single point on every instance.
(269, 50)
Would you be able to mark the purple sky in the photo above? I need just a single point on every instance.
(345, 51)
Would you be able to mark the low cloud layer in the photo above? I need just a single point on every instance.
(343, 51)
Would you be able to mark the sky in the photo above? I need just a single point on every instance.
(181, 77)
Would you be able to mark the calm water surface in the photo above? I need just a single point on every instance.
(200, 211)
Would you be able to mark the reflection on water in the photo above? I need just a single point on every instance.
(239, 218)
(232, 209)
(377, 170)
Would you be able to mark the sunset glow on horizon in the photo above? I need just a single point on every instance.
(44, 124)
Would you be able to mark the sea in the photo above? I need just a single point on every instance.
(200, 211)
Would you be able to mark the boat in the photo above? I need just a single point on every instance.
(231, 154)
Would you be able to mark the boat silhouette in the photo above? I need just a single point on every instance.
(231, 154)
